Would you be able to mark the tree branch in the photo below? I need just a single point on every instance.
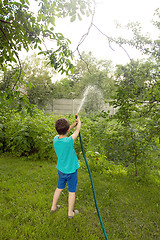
(84, 37)
(4, 21)
(111, 39)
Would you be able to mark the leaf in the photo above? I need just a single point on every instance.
(87, 13)
(73, 18)
(39, 48)
(79, 17)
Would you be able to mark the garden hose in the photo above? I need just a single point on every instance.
(95, 200)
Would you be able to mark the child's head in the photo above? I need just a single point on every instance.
(62, 125)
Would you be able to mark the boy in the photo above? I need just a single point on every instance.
(67, 164)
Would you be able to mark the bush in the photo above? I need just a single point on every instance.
(108, 145)
(31, 136)
(100, 163)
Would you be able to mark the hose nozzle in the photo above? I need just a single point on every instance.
(76, 115)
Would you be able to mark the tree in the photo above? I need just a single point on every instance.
(8, 79)
(38, 86)
(40, 91)
(20, 28)
(88, 71)
(94, 72)
(138, 95)
(144, 43)
(141, 80)
(64, 89)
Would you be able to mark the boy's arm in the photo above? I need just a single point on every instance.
(72, 126)
(76, 132)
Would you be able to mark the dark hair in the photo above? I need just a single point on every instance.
(62, 125)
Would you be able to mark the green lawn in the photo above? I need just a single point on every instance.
(130, 209)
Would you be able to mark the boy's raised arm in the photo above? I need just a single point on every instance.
(76, 132)
(73, 125)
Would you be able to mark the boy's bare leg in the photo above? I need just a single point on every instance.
(71, 201)
(56, 196)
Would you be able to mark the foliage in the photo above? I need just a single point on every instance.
(8, 80)
(33, 136)
(63, 89)
(20, 29)
(137, 98)
(129, 138)
(101, 164)
(101, 135)
(87, 71)
(90, 71)
(144, 43)
(38, 78)
(137, 95)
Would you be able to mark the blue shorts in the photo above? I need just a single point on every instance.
(71, 179)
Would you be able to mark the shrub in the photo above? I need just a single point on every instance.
(31, 136)
(108, 145)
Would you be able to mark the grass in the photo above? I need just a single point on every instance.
(130, 209)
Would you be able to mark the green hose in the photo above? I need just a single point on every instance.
(95, 200)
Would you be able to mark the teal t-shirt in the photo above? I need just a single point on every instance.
(67, 158)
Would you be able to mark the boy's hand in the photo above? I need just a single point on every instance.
(78, 124)
(74, 124)
(76, 121)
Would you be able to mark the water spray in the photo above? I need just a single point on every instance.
(94, 195)
(84, 97)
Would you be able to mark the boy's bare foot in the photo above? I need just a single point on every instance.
(75, 212)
